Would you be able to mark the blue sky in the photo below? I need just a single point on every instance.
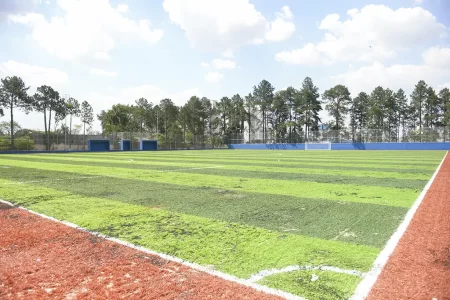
(113, 51)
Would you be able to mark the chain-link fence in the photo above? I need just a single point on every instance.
(52, 142)
(437, 134)
(42, 142)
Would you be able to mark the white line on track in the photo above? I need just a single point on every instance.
(364, 287)
(194, 266)
(260, 275)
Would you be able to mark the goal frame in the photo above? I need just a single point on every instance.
(324, 145)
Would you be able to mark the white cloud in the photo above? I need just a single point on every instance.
(85, 29)
(228, 53)
(374, 33)
(33, 75)
(122, 8)
(152, 93)
(438, 57)
(308, 55)
(281, 28)
(213, 77)
(15, 6)
(204, 64)
(223, 64)
(226, 24)
(394, 77)
(102, 56)
(101, 73)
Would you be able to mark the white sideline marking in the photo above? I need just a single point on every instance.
(260, 275)
(194, 266)
(364, 287)
(50, 180)
(187, 169)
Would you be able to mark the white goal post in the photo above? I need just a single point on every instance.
(318, 145)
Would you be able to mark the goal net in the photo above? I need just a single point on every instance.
(318, 146)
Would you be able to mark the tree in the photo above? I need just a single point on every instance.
(250, 113)
(431, 109)
(359, 115)
(5, 128)
(444, 110)
(263, 95)
(279, 114)
(142, 113)
(224, 109)
(47, 100)
(337, 101)
(117, 119)
(14, 95)
(402, 111)
(377, 104)
(237, 114)
(73, 110)
(418, 98)
(390, 111)
(87, 117)
(310, 105)
(168, 114)
(209, 111)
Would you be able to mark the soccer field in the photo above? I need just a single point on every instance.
(307, 222)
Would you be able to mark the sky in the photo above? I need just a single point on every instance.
(116, 51)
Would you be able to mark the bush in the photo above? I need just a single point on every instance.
(23, 143)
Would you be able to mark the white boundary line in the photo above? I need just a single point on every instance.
(194, 266)
(260, 275)
(364, 287)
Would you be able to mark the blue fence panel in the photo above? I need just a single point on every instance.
(147, 145)
(125, 145)
(98, 145)
(349, 146)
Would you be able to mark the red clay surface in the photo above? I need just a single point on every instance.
(42, 259)
(419, 268)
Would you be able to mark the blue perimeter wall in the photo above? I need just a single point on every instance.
(349, 146)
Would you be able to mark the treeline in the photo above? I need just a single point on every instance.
(286, 114)
(15, 95)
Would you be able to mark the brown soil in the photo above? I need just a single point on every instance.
(419, 268)
(42, 259)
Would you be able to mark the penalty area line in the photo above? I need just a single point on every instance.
(365, 286)
(197, 267)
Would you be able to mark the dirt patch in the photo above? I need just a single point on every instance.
(419, 268)
(40, 258)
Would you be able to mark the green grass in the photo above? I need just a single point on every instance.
(255, 210)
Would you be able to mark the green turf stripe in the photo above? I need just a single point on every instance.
(358, 223)
(366, 178)
(233, 248)
(281, 162)
(397, 155)
(328, 191)
(415, 173)
(327, 286)
(263, 158)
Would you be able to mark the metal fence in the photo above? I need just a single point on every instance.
(437, 134)
(55, 142)
(39, 141)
